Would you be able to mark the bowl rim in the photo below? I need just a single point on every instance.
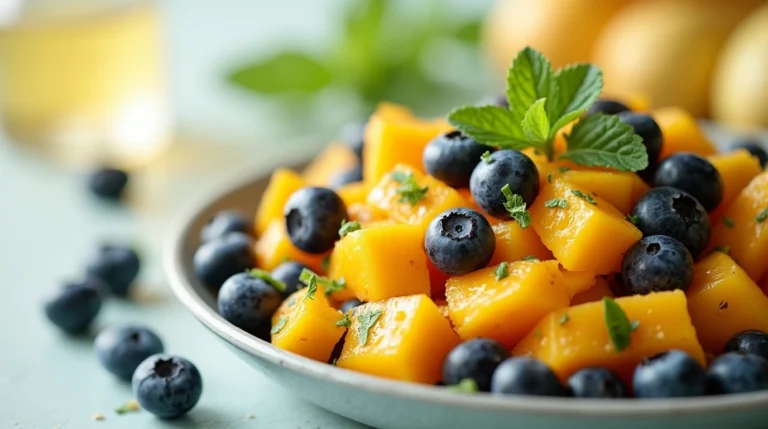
(181, 285)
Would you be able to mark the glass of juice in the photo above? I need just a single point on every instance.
(83, 81)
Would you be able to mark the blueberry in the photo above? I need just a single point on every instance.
(346, 177)
(656, 264)
(674, 213)
(247, 302)
(506, 167)
(476, 359)
(669, 375)
(737, 373)
(755, 148)
(108, 183)
(216, 261)
(75, 305)
(525, 376)
(312, 218)
(167, 386)
(121, 349)
(350, 304)
(693, 174)
(750, 342)
(648, 130)
(288, 273)
(452, 157)
(224, 222)
(459, 241)
(596, 383)
(353, 135)
(116, 265)
(609, 107)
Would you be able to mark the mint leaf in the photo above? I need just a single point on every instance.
(410, 192)
(578, 87)
(267, 277)
(529, 79)
(584, 196)
(516, 207)
(332, 286)
(535, 122)
(279, 325)
(365, 321)
(486, 157)
(467, 385)
(617, 323)
(556, 202)
(728, 222)
(605, 141)
(283, 73)
(347, 227)
(310, 279)
(563, 319)
(631, 219)
(491, 125)
(531, 258)
(502, 271)
(344, 322)
(762, 216)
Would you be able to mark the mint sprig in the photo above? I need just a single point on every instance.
(516, 207)
(541, 102)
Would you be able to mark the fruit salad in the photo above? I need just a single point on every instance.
(555, 243)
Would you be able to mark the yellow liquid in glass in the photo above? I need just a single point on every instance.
(88, 88)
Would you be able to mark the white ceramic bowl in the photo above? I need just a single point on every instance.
(389, 404)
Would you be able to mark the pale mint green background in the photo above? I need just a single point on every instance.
(48, 224)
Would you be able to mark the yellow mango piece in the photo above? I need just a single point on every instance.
(543, 166)
(579, 233)
(308, 326)
(506, 309)
(394, 136)
(408, 341)
(354, 193)
(681, 133)
(737, 169)
(274, 247)
(620, 188)
(385, 201)
(334, 159)
(282, 184)
(748, 239)
(514, 243)
(382, 262)
(723, 301)
(598, 291)
(580, 339)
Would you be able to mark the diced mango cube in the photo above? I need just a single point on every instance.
(748, 238)
(584, 236)
(724, 301)
(622, 189)
(598, 291)
(514, 243)
(408, 340)
(580, 339)
(394, 136)
(307, 326)
(382, 262)
(281, 185)
(506, 309)
(681, 133)
(274, 247)
(334, 159)
(737, 169)
(385, 200)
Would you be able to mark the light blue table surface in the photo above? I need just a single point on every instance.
(49, 223)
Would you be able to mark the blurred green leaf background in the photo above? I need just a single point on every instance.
(421, 54)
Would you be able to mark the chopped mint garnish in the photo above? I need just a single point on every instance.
(541, 102)
(531, 258)
(723, 249)
(310, 279)
(564, 169)
(486, 157)
(325, 263)
(549, 177)
(762, 216)
(347, 227)
(267, 277)
(728, 221)
(365, 321)
(563, 319)
(617, 323)
(584, 196)
(502, 271)
(344, 322)
(631, 219)
(634, 325)
(279, 325)
(409, 189)
(332, 286)
(516, 207)
(466, 385)
(556, 202)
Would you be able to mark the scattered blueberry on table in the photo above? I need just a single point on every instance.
(73, 307)
(117, 265)
(121, 349)
(167, 386)
(108, 183)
